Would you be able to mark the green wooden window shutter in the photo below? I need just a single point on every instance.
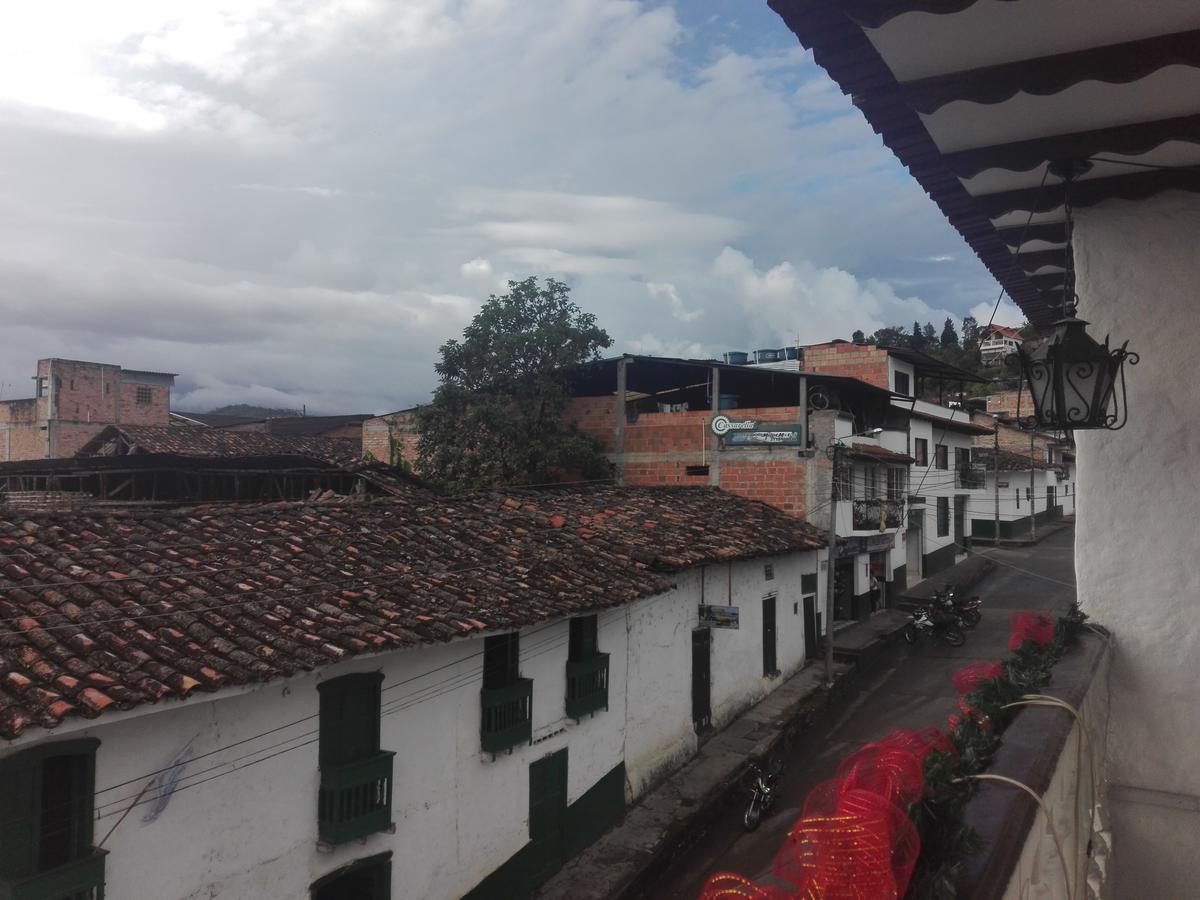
(501, 660)
(349, 719)
(47, 802)
(583, 642)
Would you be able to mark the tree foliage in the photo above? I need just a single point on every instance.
(858, 337)
(949, 335)
(497, 415)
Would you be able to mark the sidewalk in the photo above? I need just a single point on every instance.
(667, 819)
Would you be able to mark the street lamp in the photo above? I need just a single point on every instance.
(833, 451)
(1075, 381)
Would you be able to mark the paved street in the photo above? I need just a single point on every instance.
(915, 692)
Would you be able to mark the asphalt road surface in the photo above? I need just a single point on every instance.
(917, 691)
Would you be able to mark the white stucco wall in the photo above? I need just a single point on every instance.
(252, 831)
(1136, 542)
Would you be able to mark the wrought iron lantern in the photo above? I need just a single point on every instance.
(1076, 382)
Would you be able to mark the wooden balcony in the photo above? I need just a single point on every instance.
(355, 799)
(587, 685)
(80, 879)
(507, 715)
(877, 514)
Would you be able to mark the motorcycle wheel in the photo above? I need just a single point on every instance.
(972, 617)
(954, 636)
(753, 815)
(910, 633)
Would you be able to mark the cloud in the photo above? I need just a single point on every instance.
(279, 195)
(1007, 313)
(661, 290)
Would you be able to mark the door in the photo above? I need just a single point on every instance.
(769, 643)
(547, 815)
(811, 628)
(702, 678)
(960, 514)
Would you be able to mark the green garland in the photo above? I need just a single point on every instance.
(946, 840)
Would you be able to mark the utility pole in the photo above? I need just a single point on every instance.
(1032, 491)
(833, 505)
(996, 482)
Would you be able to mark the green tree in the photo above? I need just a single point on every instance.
(891, 336)
(929, 334)
(949, 335)
(497, 414)
(917, 341)
(858, 337)
(970, 333)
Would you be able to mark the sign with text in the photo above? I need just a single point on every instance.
(719, 616)
(752, 433)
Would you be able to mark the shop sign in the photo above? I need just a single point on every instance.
(719, 616)
(752, 433)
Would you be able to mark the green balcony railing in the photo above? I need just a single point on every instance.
(507, 715)
(355, 799)
(80, 879)
(587, 685)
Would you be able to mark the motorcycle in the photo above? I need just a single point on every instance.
(762, 795)
(936, 622)
(969, 612)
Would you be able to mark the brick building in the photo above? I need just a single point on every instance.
(391, 438)
(762, 433)
(74, 401)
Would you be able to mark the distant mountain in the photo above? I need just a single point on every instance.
(253, 412)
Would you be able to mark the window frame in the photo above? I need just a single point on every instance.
(22, 836)
(143, 395)
(941, 457)
(501, 660)
(583, 638)
(896, 482)
(921, 451)
(943, 516)
(336, 743)
(906, 390)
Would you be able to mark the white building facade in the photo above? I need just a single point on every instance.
(440, 807)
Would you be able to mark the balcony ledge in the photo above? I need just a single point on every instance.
(1031, 752)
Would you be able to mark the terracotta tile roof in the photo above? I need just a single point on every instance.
(108, 610)
(1009, 460)
(879, 454)
(216, 442)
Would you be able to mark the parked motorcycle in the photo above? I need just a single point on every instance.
(937, 623)
(969, 611)
(762, 795)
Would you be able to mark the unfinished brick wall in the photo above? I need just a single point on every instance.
(866, 362)
(659, 448)
(595, 416)
(1010, 438)
(1006, 402)
(381, 433)
(21, 435)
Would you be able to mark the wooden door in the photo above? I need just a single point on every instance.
(702, 678)
(547, 815)
(769, 640)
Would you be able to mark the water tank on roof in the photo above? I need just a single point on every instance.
(768, 356)
(792, 353)
(736, 358)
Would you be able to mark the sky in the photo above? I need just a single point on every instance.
(296, 202)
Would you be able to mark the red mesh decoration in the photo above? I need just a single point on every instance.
(968, 678)
(868, 849)
(1030, 626)
(893, 772)
(731, 886)
(952, 722)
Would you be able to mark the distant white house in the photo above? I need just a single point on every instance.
(998, 342)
